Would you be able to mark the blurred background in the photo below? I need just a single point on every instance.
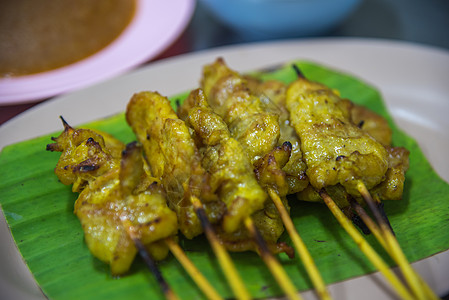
(418, 21)
(215, 23)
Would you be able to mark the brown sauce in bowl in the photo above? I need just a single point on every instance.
(42, 35)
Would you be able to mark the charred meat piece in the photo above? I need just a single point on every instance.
(117, 188)
(85, 155)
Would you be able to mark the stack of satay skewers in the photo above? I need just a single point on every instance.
(226, 164)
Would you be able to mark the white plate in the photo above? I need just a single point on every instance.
(412, 79)
(155, 26)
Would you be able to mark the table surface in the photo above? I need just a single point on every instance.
(417, 21)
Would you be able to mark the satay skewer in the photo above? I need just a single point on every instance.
(187, 186)
(131, 169)
(266, 127)
(358, 113)
(364, 246)
(190, 268)
(215, 135)
(269, 172)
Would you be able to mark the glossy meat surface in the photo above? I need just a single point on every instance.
(392, 187)
(249, 123)
(235, 181)
(335, 150)
(272, 94)
(224, 158)
(119, 189)
(173, 157)
(85, 155)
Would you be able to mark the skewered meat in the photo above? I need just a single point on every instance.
(272, 94)
(335, 150)
(232, 177)
(241, 138)
(173, 157)
(113, 189)
(86, 154)
(249, 123)
(231, 171)
(103, 206)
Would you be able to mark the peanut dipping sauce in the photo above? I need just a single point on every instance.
(42, 35)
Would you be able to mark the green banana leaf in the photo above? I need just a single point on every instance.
(39, 212)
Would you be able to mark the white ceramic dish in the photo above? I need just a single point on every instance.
(154, 27)
(412, 79)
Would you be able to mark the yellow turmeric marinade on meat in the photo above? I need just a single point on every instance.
(256, 116)
(272, 95)
(256, 128)
(376, 126)
(249, 123)
(113, 188)
(173, 157)
(335, 150)
(232, 177)
(86, 154)
(230, 169)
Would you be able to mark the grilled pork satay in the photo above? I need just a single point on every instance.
(182, 171)
(372, 123)
(233, 178)
(335, 150)
(224, 158)
(249, 123)
(344, 128)
(391, 188)
(342, 157)
(174, 158)
(282, 171)
(103, 206)
(86, 154)
(273, 92)
(113, 188)
(272, 95)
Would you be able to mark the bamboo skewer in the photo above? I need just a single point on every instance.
(387, 239)
(194, 273)
(363, 245)
(301, 248)
(275, 267)
(397, 255)
(151, 264)
(222, 255)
